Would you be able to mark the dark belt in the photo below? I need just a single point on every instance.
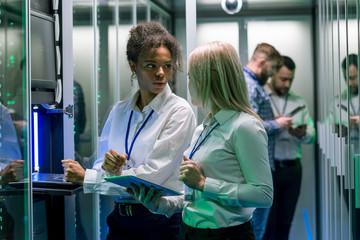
(130, 209)
(286, 163)
(203, 232)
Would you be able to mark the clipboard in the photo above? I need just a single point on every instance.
(126, 180)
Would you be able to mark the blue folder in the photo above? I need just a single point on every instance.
(126, 180)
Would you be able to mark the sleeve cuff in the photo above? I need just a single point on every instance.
(92, 179)
(170, 205)
(306, 138)
(211, 188)
(163, 207)
(89, 179)
(90, 176)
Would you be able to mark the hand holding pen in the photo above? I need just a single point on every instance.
(113, 161)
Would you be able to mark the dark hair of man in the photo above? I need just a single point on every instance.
(289, 63)
(271, 53)
(149, 35)
(353, 60)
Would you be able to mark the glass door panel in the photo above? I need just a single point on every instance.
(14, 162)
(85, 110)
(351, 72)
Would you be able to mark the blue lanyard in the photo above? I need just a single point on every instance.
(251, 73)
(196, 146)
(136, 135)
(284, 108)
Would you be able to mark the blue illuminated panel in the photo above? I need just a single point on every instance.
(36, 141)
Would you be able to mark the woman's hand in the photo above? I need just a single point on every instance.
(114, 162)
(191, 174)
(73, 171)
(149, 197)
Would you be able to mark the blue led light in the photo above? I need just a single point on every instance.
(36, 142)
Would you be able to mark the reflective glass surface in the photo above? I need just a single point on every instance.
(339, 118)
(14, 164)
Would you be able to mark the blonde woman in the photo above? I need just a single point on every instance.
(226, 169)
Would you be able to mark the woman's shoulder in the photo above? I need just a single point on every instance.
(121, 106)
(248, 128)
(177, 102)
(247, 121)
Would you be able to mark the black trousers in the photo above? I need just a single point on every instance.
(355, 213)
(141, 224)
(240, 232)
(287, 182)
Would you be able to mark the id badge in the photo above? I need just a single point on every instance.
(189, 194)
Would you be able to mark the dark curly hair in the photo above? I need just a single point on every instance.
(152, 35)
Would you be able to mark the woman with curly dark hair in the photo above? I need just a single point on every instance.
(144, 136)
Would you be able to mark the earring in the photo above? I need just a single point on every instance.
(133, 76)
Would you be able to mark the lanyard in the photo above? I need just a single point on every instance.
(277, 109)
(128, 152)
(196, 146)
(251, 73)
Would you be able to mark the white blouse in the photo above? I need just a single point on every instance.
(157, 152)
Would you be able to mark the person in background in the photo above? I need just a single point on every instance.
(79, 118)
(144, 136)
(344, 117)
(287, 157)
(339, 107)
(225, 180)
(352, 63)
(257, 71)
